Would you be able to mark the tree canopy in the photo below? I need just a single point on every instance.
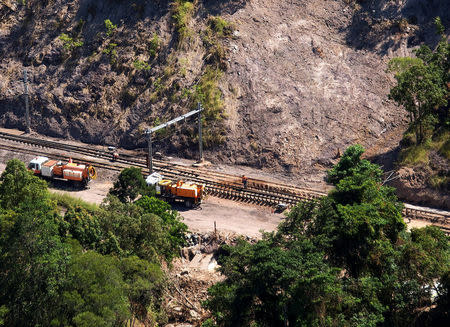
(343, 260)
(90, 266)
(423, 85)
(129, 184)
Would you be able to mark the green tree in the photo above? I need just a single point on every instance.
(145, 284)
(33, 260)
(422, 84)
(84, 226)
(18, 185)
(171, 219)
(342, 260)
(351, 165)
(95, 294)
(128, 230)
(129, 184)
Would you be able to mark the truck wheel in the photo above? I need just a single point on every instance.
(188, 203)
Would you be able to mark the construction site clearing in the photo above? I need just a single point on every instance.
(217, 221)
(228, 216)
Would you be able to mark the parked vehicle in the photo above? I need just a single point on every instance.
(191, 194)
(79, 174)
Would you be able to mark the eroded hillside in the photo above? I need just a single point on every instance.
(287, 83)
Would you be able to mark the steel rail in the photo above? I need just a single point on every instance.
(218, 184)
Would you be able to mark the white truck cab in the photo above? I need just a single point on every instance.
(36, 163)
(153, 180)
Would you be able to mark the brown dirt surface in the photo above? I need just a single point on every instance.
(413, 186)
(231, 217)
(303, 79)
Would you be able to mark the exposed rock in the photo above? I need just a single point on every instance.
(303, 78)
(413, 187)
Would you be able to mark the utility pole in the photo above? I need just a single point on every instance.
(150, 154)
(200, 138)
(149, 132)
(27, 111)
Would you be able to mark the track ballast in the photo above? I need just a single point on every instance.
(222, 185)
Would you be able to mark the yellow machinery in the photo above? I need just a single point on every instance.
(189, 193)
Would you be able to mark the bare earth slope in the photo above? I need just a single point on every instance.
(304, 79)
(305, 92)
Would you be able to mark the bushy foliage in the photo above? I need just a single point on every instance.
(422, 86)
(175, 229)
(129, 184)
(343, 260)
(110, 27)
(220, 26)
(182, 11)
(94, 266)
(351, 165)
(33, 259)
(154, 46)
(96, 292)
(70, 43)
(141, 65)
(208, 93)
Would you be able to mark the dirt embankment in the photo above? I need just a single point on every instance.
(302, 80)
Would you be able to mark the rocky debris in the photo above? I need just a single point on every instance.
(205, 242)
(193, 273)
(412, 186)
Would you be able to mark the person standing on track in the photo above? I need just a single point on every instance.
(244, 181)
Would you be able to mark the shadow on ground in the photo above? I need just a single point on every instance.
(378, 24)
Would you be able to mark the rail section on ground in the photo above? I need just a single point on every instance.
(218, 184)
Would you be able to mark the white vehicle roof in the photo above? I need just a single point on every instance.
(39, 160)
(154, 179)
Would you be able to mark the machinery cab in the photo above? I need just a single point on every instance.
(153, 181)
(35, 165)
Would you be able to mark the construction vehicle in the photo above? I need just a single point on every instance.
(189, 193)
(79, 174)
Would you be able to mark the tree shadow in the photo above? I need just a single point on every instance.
(380, 26)
(387, 159)
(220, 7)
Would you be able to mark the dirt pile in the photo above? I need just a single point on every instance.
(413, 184)
(192, 275)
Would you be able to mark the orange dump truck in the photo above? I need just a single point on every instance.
(189, 193)
(79, 174)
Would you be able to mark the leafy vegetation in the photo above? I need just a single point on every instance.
(154, 46)
(422, 87)
(414, 155)
(220, 26)
(70, 43)
(110, 27)
(93, 266)
(208, 93)
(141, 65)
(66, 201)
(129, 184)
(182, 11)
(111, 51)
(343, 260)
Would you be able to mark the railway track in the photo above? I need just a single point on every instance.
(218, 184)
